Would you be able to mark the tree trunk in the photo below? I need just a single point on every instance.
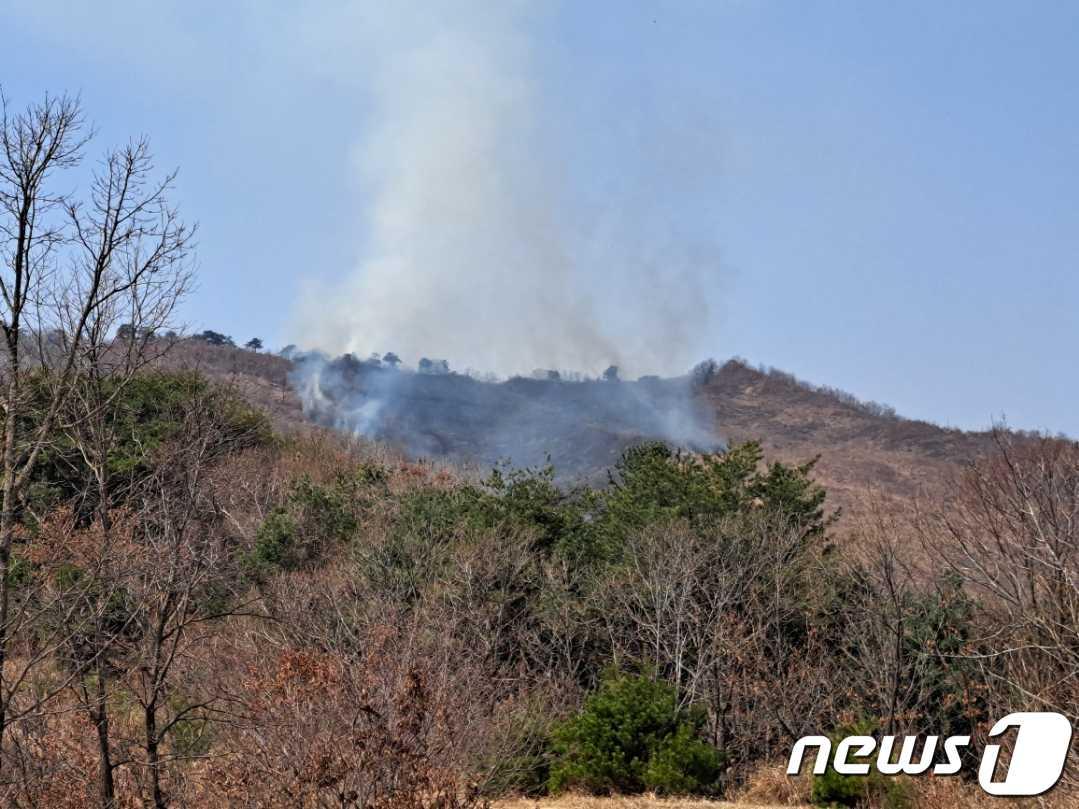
(7, 531)
(153, 758)
(100, 718)
(100, 714)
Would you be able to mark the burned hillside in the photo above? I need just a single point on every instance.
(581, 425)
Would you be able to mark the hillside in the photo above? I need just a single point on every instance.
(335, 619)
(863, 448)
(581, 426)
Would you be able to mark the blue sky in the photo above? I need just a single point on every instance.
(888, 193)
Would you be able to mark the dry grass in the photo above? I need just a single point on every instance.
(644, 802)
(933, 793)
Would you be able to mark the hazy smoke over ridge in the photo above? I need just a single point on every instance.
(484, 244)
(581, 426)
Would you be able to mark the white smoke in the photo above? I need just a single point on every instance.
(479, 246)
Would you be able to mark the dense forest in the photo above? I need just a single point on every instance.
(198, 608)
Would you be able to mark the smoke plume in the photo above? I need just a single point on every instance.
(495, 236)
(508, 228)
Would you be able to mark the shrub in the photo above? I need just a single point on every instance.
(274, 542)
(413, 553)
(144, 415)
(832, 789)
(312, 518)
(529, 499)
(510, 501)
(683, 764)
(631, 737)
(653, 483)
(517, 758)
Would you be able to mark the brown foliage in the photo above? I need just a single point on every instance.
(323, 733)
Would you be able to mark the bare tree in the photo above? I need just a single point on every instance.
(73, 270)
(903, 631)
(1011, 532)
(722, 615)
(36, 144)
(180, 580)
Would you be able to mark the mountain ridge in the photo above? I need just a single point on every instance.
(864, 449)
